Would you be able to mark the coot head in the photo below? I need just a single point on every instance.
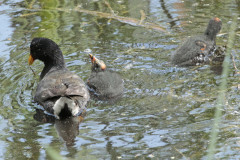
(46, 51)
(214, 26)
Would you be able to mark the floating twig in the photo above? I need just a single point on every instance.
(28, 14)
(234, 65)
(181, 153)
(32, 71)
(109, 6)
(127, 20)
(143, 16)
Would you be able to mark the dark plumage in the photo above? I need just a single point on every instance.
(105, 84)
(198, 49)
(59, 91)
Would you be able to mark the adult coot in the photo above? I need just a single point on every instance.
(104, 83)
(199, 49)
(59, 91)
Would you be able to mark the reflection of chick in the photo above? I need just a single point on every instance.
(67, 129)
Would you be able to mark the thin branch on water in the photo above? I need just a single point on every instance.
(109, 6)
(181, 154)
(127, 20)
(234, 65)
(32, 71)
(28, 14)
(143, 16)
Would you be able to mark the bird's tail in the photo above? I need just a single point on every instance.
(67, 106)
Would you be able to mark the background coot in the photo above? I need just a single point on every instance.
(199, 49)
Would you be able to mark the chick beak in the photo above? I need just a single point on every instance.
(92, 58)
(30, 60)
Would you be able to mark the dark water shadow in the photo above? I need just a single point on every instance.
(217, 69)
(67, 129)
(169, 16)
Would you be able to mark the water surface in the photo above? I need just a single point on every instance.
(166, 111)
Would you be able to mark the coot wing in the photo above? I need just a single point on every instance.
(191, 50)
(58, 84)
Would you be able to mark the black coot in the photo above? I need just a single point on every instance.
(199, 49)
(59, 91)
(104, 83)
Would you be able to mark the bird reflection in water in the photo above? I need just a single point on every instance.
(67, 129)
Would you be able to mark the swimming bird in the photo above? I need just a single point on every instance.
(199, 49)
(104, 83)
(60, 92)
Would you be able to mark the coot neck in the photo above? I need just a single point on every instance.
(96, 70)
(210, 35)
(53, 63)
(211, 31)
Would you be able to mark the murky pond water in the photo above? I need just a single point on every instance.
(166, 111)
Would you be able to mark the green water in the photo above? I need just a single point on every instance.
(166, 112)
